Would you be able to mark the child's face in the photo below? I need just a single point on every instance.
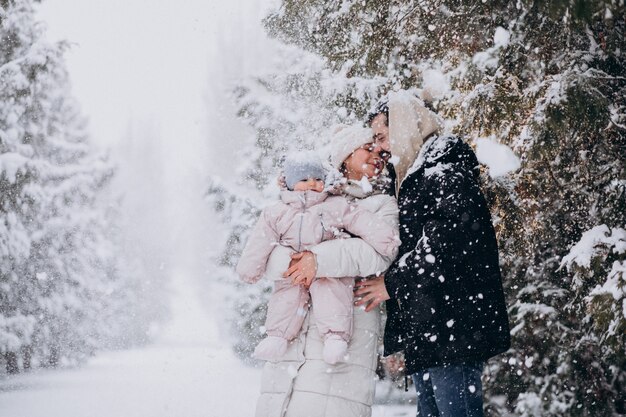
(313, 184)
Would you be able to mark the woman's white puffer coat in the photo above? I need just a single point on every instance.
(302, 384)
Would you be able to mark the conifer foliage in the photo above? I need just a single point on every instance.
(285, 108)
(289, 106)
(63, 287)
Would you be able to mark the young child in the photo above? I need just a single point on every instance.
(306, 216)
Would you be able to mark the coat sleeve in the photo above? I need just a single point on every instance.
(449, 215)
(354, 257)
(372, 229)
(262, 240)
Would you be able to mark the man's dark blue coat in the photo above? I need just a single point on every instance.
(447, 304)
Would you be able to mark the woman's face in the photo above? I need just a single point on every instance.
(364, 162)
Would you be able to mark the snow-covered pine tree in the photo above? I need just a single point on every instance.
(277, 106)
(58, 265)
(546, 79)
(17, 327)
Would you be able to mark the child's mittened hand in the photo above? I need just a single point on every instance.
(282, 182)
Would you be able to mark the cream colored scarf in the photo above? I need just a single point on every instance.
(410, 123)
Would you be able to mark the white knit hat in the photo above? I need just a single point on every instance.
(345, 140)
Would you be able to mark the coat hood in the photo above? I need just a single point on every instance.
(362, 189)
(304, 199)
(410, 123)
(442, 151)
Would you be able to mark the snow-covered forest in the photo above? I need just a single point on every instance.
(69, 285)
(121, 226)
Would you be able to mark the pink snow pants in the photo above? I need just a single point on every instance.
(332, 298)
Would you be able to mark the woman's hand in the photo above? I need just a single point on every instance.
(302, 268)
(372, 292)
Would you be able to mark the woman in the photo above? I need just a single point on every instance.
(302, 384)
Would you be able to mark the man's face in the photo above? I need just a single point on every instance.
(381, 132)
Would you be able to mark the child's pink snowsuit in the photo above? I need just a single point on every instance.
(301, 220)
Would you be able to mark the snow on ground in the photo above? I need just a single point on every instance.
(157, 381)
(189, 371)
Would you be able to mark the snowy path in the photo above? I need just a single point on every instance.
(187, 372)
(153, 382)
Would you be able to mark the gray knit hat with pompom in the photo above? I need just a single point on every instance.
(301, 166)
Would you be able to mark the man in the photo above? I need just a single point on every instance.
(446, 307)
(378, 121)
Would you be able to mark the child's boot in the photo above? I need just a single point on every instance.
(335, 349)
(271, 348)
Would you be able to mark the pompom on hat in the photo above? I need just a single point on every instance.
(345, 140)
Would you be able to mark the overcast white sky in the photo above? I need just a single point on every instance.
(136, 60)
(148, 73)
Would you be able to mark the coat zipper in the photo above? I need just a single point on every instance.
(301, 221)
